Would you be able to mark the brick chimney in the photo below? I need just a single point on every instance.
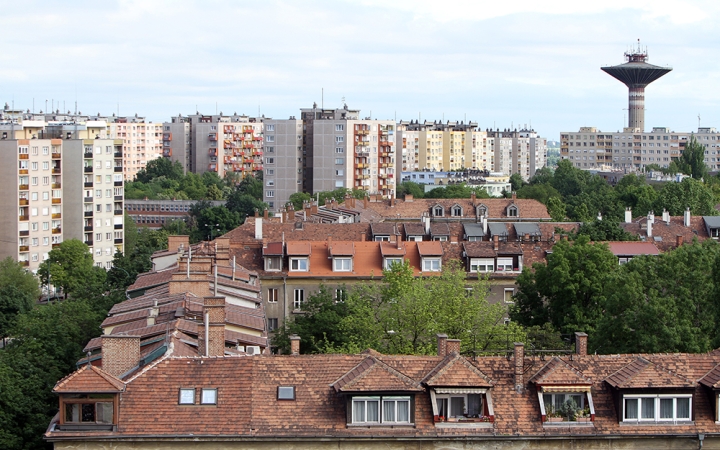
(197, 283)
(120, 353)
(294, 344)
(266, 213)
(452, 346)
(581, 343)
(366, 201)
(442, 347)
(514, 196)
(519, 356)
(496, 242)
(211, 339)
(313, 207)
(175, 243)
(679, 240)
(392, 200)
(473, 198)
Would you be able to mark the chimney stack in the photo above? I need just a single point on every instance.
(519, 356)
(426, 219)
(294, 344)
(266, 213)
(666, 216)
(178, 243)
(408, 198)
(392, 200)
(581, 343)
(442, 344)
(473, 197)
(398, 238)
(496, 242)
(258, 228)
(514, 196)
(452, 346)
(120, 354)
(365, 202)
(212, 340)
(686, 219)
(651, 217)
(679, 240)
(649, 225)
(628, 215)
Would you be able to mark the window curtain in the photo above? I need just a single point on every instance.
(648, 408)
(683, 408)
(631, 408)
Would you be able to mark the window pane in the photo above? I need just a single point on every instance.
(373, 411)
(474, 405)
(442, 405)
(666, 408)
(456, 406)
(578, 400)
(72, 412)
(88, 412)
(631, 411)
(389, 411)
(648, 408)
(683, 408)
(358, 411)
(104, 412)
(403, 411)
(209, 396)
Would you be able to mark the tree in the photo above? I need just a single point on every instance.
(516, 182)
(251, 186)
(13, 302)
(556, 208)
(634, 192)
(692, 160)
(567, 291)
(297, 199)
(160, 167)
(245, 205)
(675, 197)
(410, 187)
(13, 274)
(215, 221)
(70, 267)
(605, 230)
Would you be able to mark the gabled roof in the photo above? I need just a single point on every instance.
(273, 249)
(391, 249)
(473, 229)
(642, 373)
(439, 229)
(298, 248)
(479, 249)
(712, 378)
(557, 372)
(341, 249)
(431, 248)
(414, 229)
(372, 375)
(633, 248)
(89, 379)
(456, 371)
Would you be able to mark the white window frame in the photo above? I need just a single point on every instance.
(186, 396)
(380, 401)
(268, 263)
(488, 265)
(298, 298)
(432, 264)
(656, 405)
(343, 264)
(390, 260)
(299, 264)
(272, 295)
(501, 264)
(209, 396)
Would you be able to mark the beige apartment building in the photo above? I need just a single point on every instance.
(142, 142)
(632, 149)
(215, 143)
(50, 169)
(327, 149)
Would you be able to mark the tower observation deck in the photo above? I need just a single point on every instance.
(636, 73)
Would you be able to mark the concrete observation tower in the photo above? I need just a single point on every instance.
(636, 73)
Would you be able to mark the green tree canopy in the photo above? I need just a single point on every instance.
(410, 187)
(70, 267)
(692, 160)
(675, 197)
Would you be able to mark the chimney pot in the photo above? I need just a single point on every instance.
(442, 344)
(265, 213)
(294, 344)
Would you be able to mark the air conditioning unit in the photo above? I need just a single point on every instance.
(252, 349)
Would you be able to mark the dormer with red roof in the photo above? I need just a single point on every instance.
(430, 255)
(557, 383)
(273, 256)
(298, 256)
(342, 254)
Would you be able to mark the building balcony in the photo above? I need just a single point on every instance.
(24, 202)
(88, 169)
(117, 169)
(118, 183)
(24, 248)
(88, 155)
(56, 185)
(118, 226)
(118, 241)
(24, 263)
(56, 170)
(24, 218)
(55, 156)
(88, 214)
(24, 232)
(88, 199)
(24, 187)
(56, 230)
(118, 212)
(57, 216)
(24, 156)
(56, 245)
(88, 243)
(212, 136)
(88, 228)
(88, 184)
(23, 171)
(118, 198)
(167, 136)
(118, 154)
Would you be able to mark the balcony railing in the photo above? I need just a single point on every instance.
(56, 185)
(88, 155)
(24, 187)
(24, 232)
(24, 248)
(57, 215)
(56, 230)
(88, 228)
(118, 183)
(56, 156)
(23, 218)
(56, 170)
(88, 184)
(118, 212)
(88, 243)
(88, 169)
(117, 169)
(118, 226)
(24, 202)
(23, 171)
(118, 241)
(88, 214)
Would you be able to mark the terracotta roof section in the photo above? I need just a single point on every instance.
(341, 248)
(665, 235)
(642, 373)
(439, 229)
(712, 378)
(383, 229)
(372, 375)
(89, 379)
(557, 372)
(414, 229)
(273, 249)
(391, 249)
(631, 248)
(298, 248)
(150, 279)
(496, 208)
(456, 371)
(479, 249)
(431, 248)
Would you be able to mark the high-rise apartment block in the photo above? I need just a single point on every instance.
(142, 142)
(215, 143)
(65, 181)
(633, 149)
(327, 149)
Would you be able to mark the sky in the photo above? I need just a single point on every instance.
(501, 64)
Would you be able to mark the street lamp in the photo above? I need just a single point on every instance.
(216, 226)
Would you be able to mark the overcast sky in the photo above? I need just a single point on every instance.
(498, 63)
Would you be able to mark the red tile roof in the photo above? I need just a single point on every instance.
(372, 375)
(642, 373)
(298, 249)
(630, 248)
(557, 372)
(457, 371)
(431, 248)
(341, 249)
(273, 248)
(89, 379)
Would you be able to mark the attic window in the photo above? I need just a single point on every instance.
(273, 263)
(481, 210)
(87, 410)
(438, 211)
(342, 264)
(657, 408)
(457, 211)
(286, 393)
(209, 397)
(512, 211)
(381, 410)
(187, 397)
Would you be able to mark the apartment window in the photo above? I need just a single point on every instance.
(656, 408)
(339, 127)
(340, 295)
(34, 226)
(33, 166)
(273, 263)
(390, 261)
(272, 295)
(504, 264)
(385, 409)
(286, 392)
(482, 265)
(298, 298)
(272, 323)
(339, 183)
(459, 405)
(269, 160)
(46, 241)
(270, 138)
(187, 396)
(33, 211)
(34, 242)
(270, 149)
(342, 264)
(269, 127)
(108, 236)
(82, 410)
(208, 397)
(339, 139)
(508, 295)
(431, 264)
(512, 211)
(98, 193)
(339, 160)
(46, 150)
(34, 181)
(34, 256)
(339, 150)
(269, 194)
(298, 264)
(340, 173)
(270, 172)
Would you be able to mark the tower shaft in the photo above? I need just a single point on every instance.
(636, 107)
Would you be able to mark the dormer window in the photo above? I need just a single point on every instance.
(381, 410)
(512, 211)
(482, 265)
(342, 264)
(431, 264)
(438, 211)
(87, 410)
(273, 263)
(299, 264)
(389, 262)
(482, 210)
(457, 211)
(656, 408)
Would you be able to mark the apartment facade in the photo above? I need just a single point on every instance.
(632, 149)
(215, 143)
(142, 142)
(61, 177)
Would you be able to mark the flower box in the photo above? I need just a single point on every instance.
(555, 419)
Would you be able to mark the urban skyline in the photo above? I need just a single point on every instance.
(501, 66)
